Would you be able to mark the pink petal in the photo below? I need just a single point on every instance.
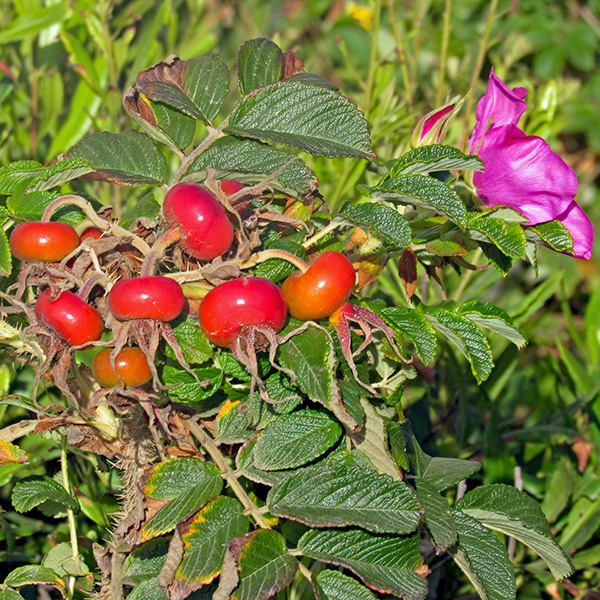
(581, 229)
(523, 172)
(500, 103)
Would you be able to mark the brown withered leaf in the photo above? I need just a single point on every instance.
(407, 269)
(369, 268)
(292, 65)
(137, 104)
(10, 454)
(169, 72)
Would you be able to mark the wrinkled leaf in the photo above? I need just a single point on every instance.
(333, 585)
(432, 158)
(415, 326)
(260, 62)
(36, 490)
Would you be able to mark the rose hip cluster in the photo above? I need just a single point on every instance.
(231, 314)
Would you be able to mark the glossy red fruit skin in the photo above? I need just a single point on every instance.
(37, 241)
(152, 297)
(318, 293)
(236, 306)
(231, 186)
(131, 364)
(73, 319)
(205, 228)
(91, 232)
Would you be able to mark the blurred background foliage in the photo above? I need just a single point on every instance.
(64, 65)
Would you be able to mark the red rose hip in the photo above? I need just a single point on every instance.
(206, 231)
(37, 241)
(318, 293)
(152, 297)
(73, 319)
(236, 306)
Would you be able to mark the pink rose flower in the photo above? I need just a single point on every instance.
(522, 171)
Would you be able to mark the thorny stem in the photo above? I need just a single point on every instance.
(227, 473)
(444, 52)
(213, 136)
(321, 234)
(70, 514)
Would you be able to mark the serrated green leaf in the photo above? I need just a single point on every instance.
(147, 590)
(432, 158)
(386, 563)
(128, 158)
(486, 314)
(188, 389)
(555, 235)
(508, 237)
(60, 560)
(284, 398)
(205, 537)
(467, 337)
(506, 213)
(450, 243)
(5, 256)
(58, 173)
(295, 439)
(312, 79)
(415, 326)
(260, 62)
(197, 87)
(35, 490)
(276, 269)
(33, 574)
(231, 424)
(245, 463)
(333, 585)
(230, 154)
(498, 259)
(264, 565)
(483, 559)
(188, 483)
(11, 454)
(306, 356)
(425, 191)
(307, 117)
(340, 493)
(178, 126)
(438, 516)
(146, 561)
(194, 344)
(7, 593)
(386, 221)
(146, 207)
(504, 508)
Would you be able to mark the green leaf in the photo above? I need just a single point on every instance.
(128, 158)
(559, 488)
(146, 561)
(188, 389)
(264, 566)
(36, 490)
(146, 207)
(295, 439)
(245, 463)
(277, 269)
(424, 191)
(188, 483)
(284, 396)
(386, 563)
(415, 326)
(260, 62)
(306, 355)
(333, 585)
(483, 559)
(341, 492)
(7, 593)
(499, 260)
(307, 117)
(197, 87)
(60, 560)
(433, 158)
(385, 221)
(58, 173)
(233, 155)
(34, 574)
(438, 516)
(508, 237)
(205, 537)
(147, 590)
(555, 235)
(5, 256)
(467, 337)
(231, 424)
(486, 314)
(583, 522)
(194, 344)
(506, 509)
(32, 22)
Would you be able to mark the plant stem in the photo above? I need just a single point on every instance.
(227, 473)
(321, 234)
(401, 53)
(213, 136)
(70, 514)
(372, 58)
(444, 52)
